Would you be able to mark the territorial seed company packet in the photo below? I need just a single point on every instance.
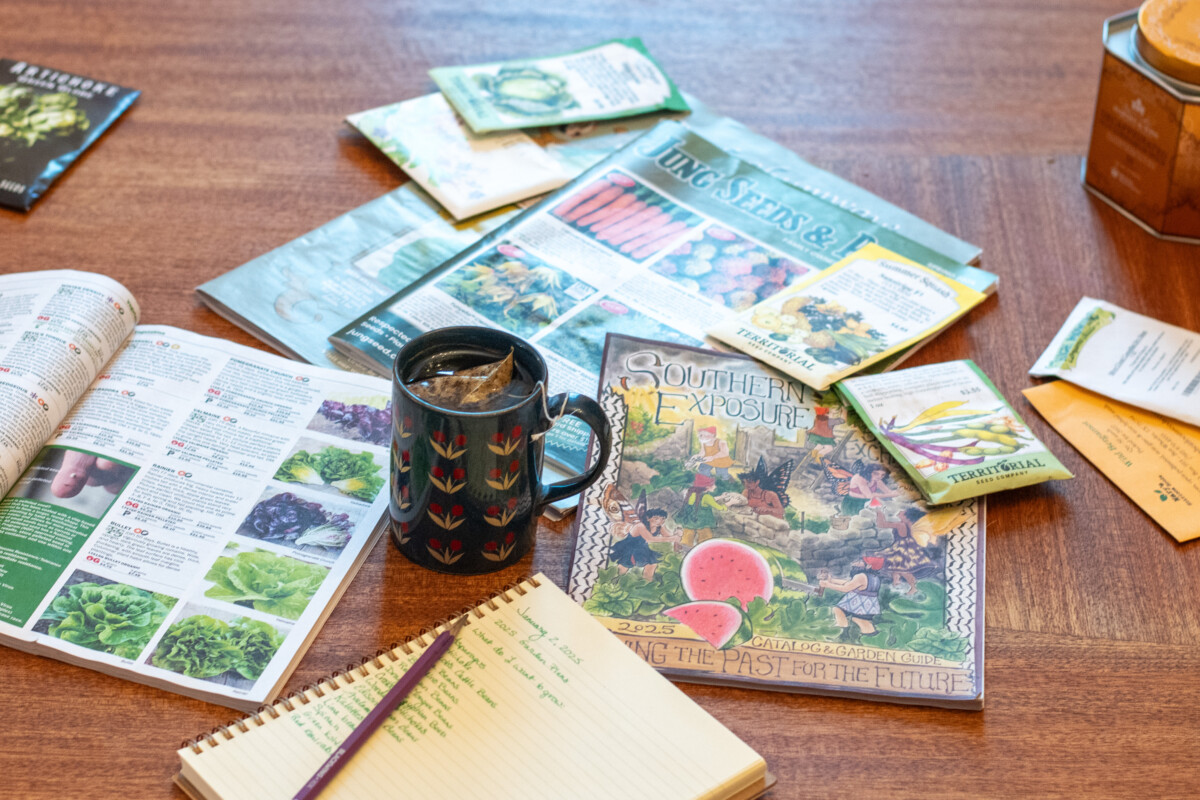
(614, 79)
(870, 305)
(951, 430)
(47, 119)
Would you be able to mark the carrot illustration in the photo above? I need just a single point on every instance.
(649, 224)
(649, 212)
(646, 245)
(617, 216)
(583, 194)
(599, 201)
(607, 211)
(668, 227)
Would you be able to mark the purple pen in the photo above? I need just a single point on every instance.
(382, 711)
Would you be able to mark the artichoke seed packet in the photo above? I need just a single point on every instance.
(47, 119)
(951, 430)
(615, 79)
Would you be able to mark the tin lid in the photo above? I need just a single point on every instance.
(1168, 37)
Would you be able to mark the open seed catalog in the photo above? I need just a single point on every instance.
(177, 510)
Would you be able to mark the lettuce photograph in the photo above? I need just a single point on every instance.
(106, 616)
(352, 474)
(363, 419)
(266, 582)
(203, 646)
(288, 519)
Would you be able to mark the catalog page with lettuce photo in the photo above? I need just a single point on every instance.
(177, 510)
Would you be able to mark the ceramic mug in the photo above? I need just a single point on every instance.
(466, 488)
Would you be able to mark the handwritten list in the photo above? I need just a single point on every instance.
(534, 699)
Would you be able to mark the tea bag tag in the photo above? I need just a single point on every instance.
(554, 418)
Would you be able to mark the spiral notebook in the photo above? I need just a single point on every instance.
(534, 700)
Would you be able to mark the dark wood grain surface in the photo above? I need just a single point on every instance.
(973, 115)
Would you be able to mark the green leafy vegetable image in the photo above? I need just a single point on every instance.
(300, 468)
(609, 600)
(903, 617)
(629, 595)
(29, 116)
(203, 647)
(939, 642)
(526, 91)
(353, 474)
(258, 642)
(364, 487)
(269, 583)
(790, 614)
(336, 464)
(113, 618)
(199, 647)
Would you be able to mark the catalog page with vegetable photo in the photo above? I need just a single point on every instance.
(184, 512)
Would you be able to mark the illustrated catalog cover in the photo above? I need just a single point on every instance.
(747, 530)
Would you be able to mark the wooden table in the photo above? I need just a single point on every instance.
(973, 115)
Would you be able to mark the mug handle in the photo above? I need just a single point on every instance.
(588, 410)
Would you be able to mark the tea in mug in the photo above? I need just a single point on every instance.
(458, 382)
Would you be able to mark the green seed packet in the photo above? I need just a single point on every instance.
(47, 119)
(951, 430)
(615, 79)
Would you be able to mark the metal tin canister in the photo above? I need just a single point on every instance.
(1144, 156)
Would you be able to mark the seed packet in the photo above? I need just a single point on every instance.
(467, 173)
(614, 79)
(951, 430)
(869, 306)
(1128, 357)
(47, 118)
(1145, 454)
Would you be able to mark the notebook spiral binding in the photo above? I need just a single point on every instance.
(302, 697)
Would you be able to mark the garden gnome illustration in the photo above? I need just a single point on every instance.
(696, 517)
(819, 436)
(713, 456)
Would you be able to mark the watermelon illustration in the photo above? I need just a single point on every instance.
(720, 569)
(723, 625)
(782, 565)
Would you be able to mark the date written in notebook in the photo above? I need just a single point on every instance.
(533, 700)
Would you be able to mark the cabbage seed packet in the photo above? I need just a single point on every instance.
(951, 430)
(47, 118)
(615, 79)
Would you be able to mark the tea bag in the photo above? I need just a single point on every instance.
(467, 387)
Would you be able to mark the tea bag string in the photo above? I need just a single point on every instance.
(554, 418)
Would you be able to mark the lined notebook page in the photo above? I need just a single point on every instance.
(534, 700)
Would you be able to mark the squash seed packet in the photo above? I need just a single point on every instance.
(951, 430)
(47, 119)
(615, 79)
